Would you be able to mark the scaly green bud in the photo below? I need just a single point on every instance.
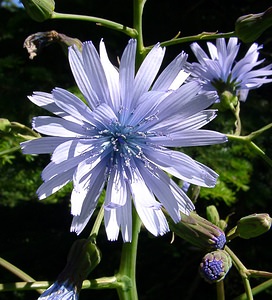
(83, 257)
(39, 10)
(249, 27)
(228, 100)
(198, 231)
(212, 214)
(5, 125)
(251, 226)
(215, 266)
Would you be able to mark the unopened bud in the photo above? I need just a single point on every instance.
(199, 232)
(228, 100)
(5, 125)
(249, 27)
(212, 214)
(251, 226)
(39, 10)
(215, 265)
(83, 257)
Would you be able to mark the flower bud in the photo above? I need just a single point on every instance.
(251, 226)
(83, 257)
(212, 214)
(199, 232)
(39, 10)
(228, 100)
(5, 125)
(215, 265)
(249, 27)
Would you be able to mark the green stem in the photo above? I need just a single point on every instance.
(197, 37)
(20, 126)
(16, 271)
(97, 284)
(99, 21)
(236, 112)
(242, 271)
(256, 290)
(220, 290)
(138, 7)
(254, 134)
(127, 269)
(257, 273)
(97, 223)
(10, 150)
(251, 145)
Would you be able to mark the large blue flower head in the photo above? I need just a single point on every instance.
(222, 72)
(118, 139)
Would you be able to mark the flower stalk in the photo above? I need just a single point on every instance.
(99, 21)
(127, 269)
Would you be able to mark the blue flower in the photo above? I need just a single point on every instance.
(221, 72)
(118, 139)
(60, 291)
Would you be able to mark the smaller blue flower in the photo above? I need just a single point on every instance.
(60, 291)
(221, 71)
(215, 265)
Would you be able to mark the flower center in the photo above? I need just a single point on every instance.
(118, 140)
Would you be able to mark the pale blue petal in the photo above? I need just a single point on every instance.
(178, 123)
(147, 72)
(53, 169)
(72, 105)
(127, 73)
(104, 116)
(77, 147)
(170, 73)
(42, 145)
(181, 166)
(54, 184)
(153, 219)
(162, 186)
(95, 72)
(58, 127)
(181, 104)
(46, 101)
(112, 76)
(81, 78)
(119, 218)
(111, 223)
(199, 53)
(87, 198)
(146, 109)
(140, 192)
(189, 138)
(116, 192)
(124, 215)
